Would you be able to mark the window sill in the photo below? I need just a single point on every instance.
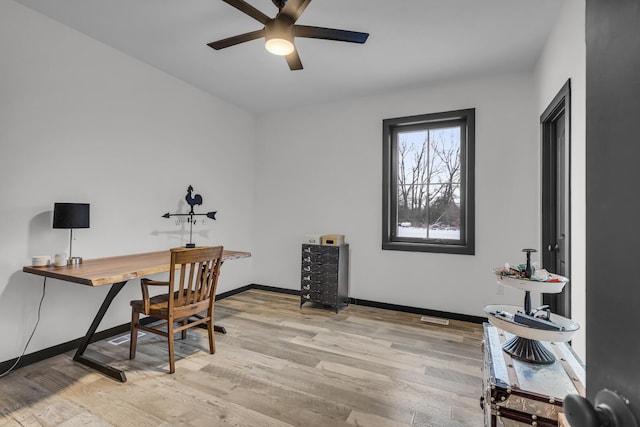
(429, 247)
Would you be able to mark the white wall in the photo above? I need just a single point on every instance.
(80, 122)
(319, 170)
(564, 57)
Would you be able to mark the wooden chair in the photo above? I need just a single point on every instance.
(192, 283)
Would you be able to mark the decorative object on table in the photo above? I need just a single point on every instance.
(41, 260)
(332, 239)
(192, 201)
(312, 239)
(60, 259)
(71, 216)
(526, 273)
(530, 325)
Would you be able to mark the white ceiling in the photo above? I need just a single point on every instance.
(412, 43)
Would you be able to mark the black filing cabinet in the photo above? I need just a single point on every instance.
(324, 276)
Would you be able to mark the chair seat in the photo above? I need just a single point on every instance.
(159, 305)
(158, 301)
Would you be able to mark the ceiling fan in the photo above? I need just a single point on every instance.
(279, 32)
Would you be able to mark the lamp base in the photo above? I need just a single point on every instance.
(190, 245)
(75, 260)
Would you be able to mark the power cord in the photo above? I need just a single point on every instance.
(32, 332)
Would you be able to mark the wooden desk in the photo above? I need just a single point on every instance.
(114, 271)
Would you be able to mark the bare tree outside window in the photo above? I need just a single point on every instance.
(429, 184)
(428, 192)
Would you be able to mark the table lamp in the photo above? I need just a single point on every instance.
(71, 215)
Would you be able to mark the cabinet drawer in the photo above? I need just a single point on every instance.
(320, 298)
(319, 278)
(320, 268)
(321, 253)
(325, 286)
(313, 250)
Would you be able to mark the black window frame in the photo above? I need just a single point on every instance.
(390, 127)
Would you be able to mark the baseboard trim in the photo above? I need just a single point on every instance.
(418, 310)
(49, 352)
(233, 292)
(276, 289)
(383, 305)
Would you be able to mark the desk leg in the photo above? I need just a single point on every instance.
(217, 328)
(79, 356)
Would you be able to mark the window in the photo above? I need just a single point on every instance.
(428, 189)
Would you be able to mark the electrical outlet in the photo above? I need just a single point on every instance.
(499, 289)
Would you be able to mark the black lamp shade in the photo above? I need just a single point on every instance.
(71, 215)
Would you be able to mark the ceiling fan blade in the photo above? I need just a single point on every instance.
(245, 7)
(330, 34)
(294, 8)
(293, 59)
(240, 38)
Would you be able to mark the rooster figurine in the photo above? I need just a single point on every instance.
(192, 201)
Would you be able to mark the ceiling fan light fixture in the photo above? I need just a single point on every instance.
(280, 31)
(279, 46)
(279, 38)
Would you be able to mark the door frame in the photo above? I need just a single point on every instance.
(561, 103)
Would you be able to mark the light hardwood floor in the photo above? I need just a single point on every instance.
(278, 366)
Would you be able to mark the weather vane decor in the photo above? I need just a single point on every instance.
(192, 201)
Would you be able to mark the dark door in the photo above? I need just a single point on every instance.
(613, 199)
(556, 156)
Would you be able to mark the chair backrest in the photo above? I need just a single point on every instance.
(194, 275)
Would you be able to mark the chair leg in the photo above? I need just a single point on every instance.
(133, 343)
(172, 363)
(212, 340)
(184, 331)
